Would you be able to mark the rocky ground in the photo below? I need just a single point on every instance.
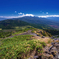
(51, 52)
(25, 33)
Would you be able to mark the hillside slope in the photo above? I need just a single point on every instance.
(11, 24)
(37, 20)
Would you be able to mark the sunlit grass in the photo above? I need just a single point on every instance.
(18, 45)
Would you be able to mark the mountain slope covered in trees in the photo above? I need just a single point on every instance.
(11, 24)
(44, 21)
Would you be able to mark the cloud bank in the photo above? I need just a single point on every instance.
(20, 13)
(49, 16)
(23, 15)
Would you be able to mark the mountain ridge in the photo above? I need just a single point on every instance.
(38, 21)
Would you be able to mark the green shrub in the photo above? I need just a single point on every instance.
(43, 44)
(18, 45)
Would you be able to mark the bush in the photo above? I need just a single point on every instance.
(19, 45)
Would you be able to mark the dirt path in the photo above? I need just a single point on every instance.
(25, 33)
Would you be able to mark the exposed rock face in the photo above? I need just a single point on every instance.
(49, 53)
(53, 52)
(43, 36)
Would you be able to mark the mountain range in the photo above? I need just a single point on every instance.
(45, 21)
(41, 22)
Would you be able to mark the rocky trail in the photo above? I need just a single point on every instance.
(25, 33)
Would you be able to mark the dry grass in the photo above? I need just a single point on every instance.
(47, 40)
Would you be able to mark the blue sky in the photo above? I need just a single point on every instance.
(26, 7)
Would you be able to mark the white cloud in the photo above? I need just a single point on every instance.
(26, 15)
(46, 12)
(15, 11)
(29, 15)
(1, 16)
(20, 13)
(49, 16)
(42, 12)
(8, 17)
(23, 15)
